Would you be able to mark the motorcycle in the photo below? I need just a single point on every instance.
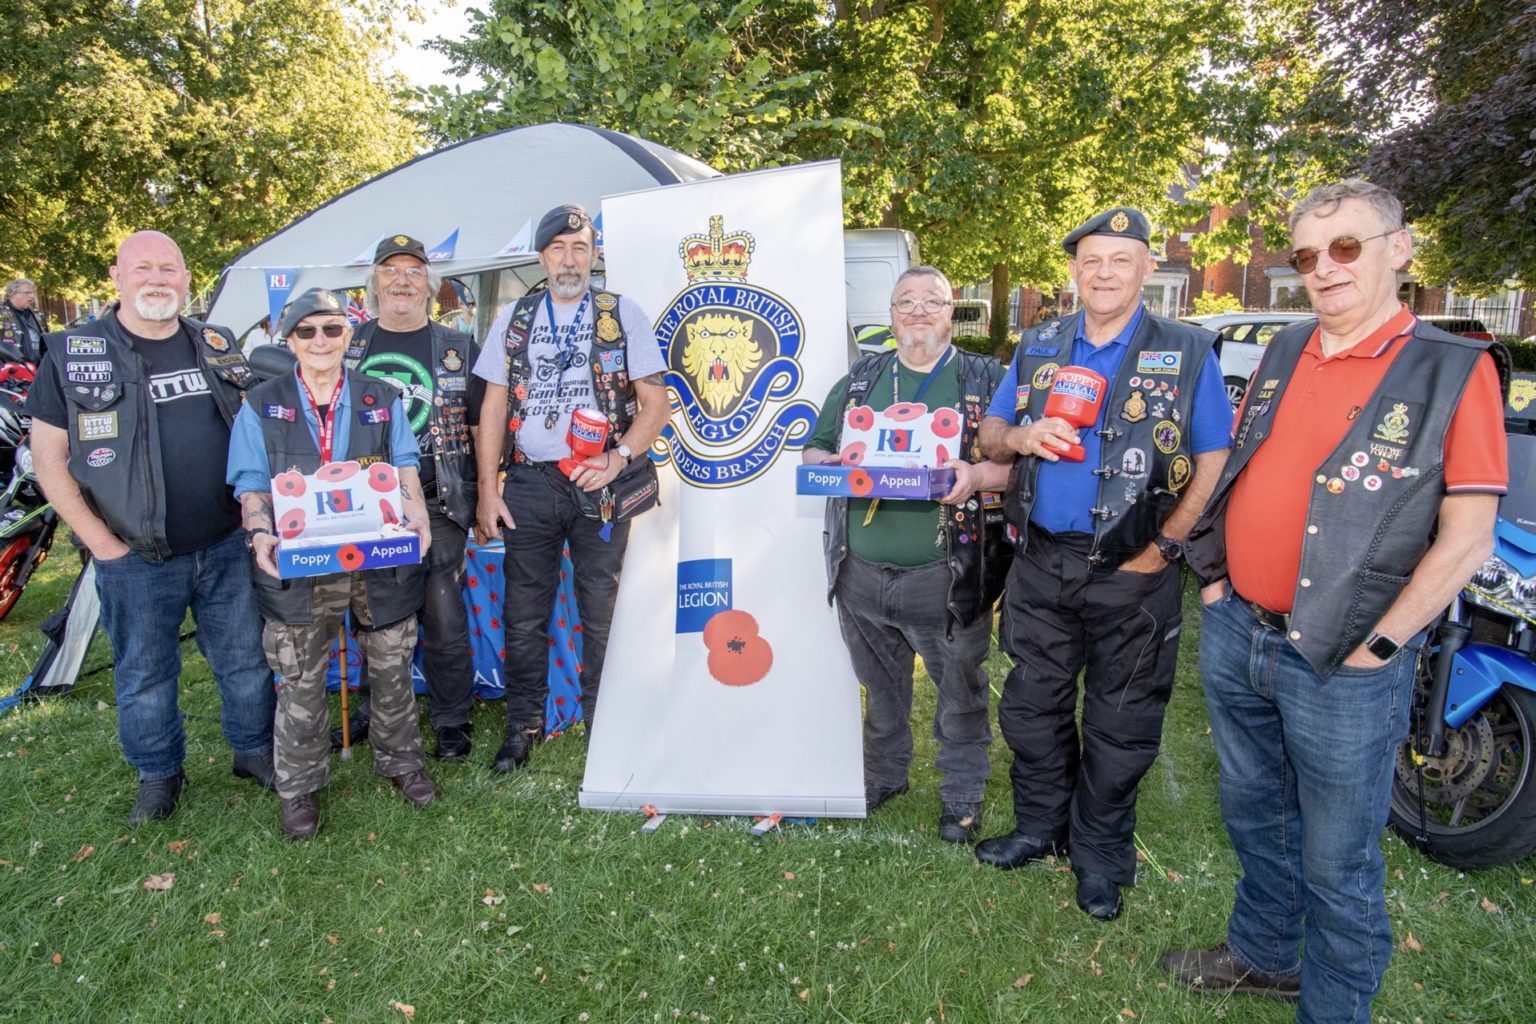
(1464, 791)
(27, 520)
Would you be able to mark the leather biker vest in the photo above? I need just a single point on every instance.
(976, 547)
(1145, 460)
(449, 443)
(1364, 536)
(392, 593)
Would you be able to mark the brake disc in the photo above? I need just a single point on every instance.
(1468, 761)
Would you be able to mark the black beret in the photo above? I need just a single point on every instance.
(312, 302)
(394, 245)
(562, 220)
(1122, 221)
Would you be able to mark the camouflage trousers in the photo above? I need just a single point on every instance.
(300, 655)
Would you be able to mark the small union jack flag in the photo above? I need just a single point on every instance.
(356, 314)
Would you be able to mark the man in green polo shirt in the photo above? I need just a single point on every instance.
(910, 577)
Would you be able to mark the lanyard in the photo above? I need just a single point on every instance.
(933, 375)
(565, 339)
(325, 425)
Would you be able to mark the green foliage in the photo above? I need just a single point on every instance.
(726, 82)
(990, 128)
(1208, 304)
(1522, 354)
(216, 121)
(1465, 164)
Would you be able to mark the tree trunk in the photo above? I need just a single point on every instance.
(1000, 296)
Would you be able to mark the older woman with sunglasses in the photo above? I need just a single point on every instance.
(316, 415)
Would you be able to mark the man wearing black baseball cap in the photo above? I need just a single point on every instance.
(428, 362)
(551, 353)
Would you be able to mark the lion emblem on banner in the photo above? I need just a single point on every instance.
(718, 357)
(1521, 391)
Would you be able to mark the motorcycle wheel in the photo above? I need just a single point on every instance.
(1480, 798)
(12, 557)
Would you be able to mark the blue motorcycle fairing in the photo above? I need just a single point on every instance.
(1515, 546)
(1477, 672)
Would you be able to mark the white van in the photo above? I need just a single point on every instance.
(873, 258)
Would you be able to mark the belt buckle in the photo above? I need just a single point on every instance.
(1278, 621)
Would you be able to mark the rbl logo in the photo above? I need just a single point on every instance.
(893, 440)
(278, 281)
(333, 501)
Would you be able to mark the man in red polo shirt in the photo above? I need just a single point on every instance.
(1360, 496)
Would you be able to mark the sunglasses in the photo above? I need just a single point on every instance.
(307, 331)
(1346, 249)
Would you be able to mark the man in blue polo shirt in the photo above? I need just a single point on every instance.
(1095, 584)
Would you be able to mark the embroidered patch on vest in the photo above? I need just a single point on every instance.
(1158, 362)
(1044, 376)
(1398, 421)
(1179, 472)
(373, 415)
(278, 412)
(214, 340)
(1135, 408)
(75, 346)
(96, 426)
(452, 361)
(1166, 436)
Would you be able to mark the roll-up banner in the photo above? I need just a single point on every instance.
(727, 688)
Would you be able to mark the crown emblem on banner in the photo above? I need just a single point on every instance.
(716, 256)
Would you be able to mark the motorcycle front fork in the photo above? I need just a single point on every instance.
(1452, 636)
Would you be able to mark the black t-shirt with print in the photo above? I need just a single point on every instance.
(194, 440)
(404, 358)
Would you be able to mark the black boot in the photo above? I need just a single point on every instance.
(517, 747)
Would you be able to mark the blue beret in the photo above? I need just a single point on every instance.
(311, 303)
(562, 220)
(1122, 221)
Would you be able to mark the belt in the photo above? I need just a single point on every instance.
(1278, 621)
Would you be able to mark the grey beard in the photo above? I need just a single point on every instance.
(922, 351)
(563, 290)
(154, 309)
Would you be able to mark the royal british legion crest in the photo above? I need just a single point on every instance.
(731, 349)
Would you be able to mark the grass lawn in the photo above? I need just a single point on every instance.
(505, 902)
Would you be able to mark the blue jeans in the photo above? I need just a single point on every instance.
(143, 605)
(1306, 777)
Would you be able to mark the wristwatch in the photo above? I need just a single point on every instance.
(1171, 549)
(250, 537)
(1384, 647)
(625, 454)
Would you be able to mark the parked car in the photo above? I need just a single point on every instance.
(972, 318)
(1240, 346)
(1466, 326)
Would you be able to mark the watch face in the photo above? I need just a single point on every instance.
(1384, 647)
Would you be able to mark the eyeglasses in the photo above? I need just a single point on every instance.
(1345, 249)
(414, 273)
(307, 331)
(908, 306)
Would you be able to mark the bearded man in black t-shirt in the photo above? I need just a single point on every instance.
(430, 364)
(130, 428)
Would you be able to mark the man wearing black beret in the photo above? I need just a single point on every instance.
(1094, 587)
(547, 355)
